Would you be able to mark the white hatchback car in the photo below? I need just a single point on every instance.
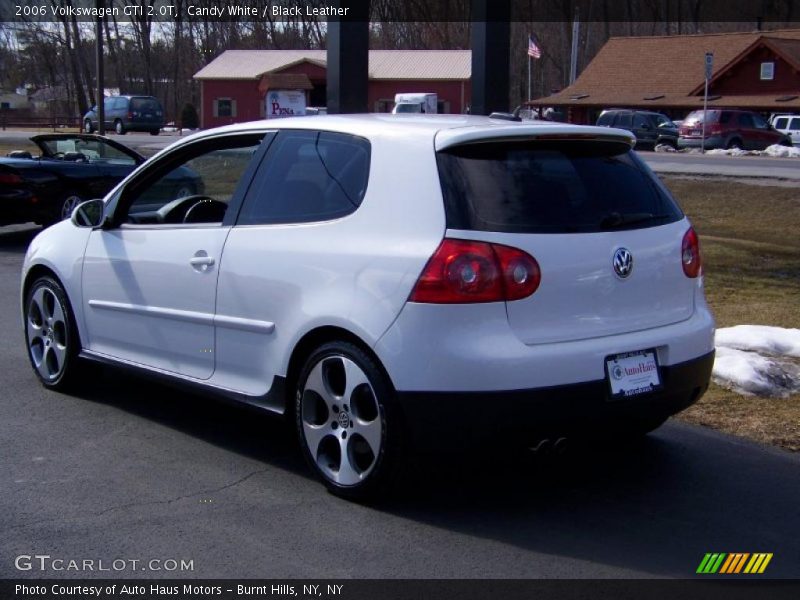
(388, 278)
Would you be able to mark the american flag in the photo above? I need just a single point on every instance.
(533, 47)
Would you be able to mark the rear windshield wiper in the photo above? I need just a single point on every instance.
(617, 220)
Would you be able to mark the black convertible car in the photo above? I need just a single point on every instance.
(72, 168)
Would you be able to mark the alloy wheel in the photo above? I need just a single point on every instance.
(70, 202)
(341, 420)
(46, 329)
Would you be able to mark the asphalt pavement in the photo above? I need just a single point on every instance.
(131, 470)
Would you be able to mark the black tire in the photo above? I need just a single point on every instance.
(155, 131)
(786, 142)
(734, 143)
(378, 470)
(87, 126)
(51, 347)
(119, 128)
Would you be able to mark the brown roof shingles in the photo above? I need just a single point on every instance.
(626, 70)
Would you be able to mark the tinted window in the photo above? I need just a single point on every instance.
(640, 120)
(760, 122)
(781, 123)
(696, 117)
(746, 121)
(624, 120)
(540, 187)
(148, 105)
(607, 118)
(308, 176)
(795, 124)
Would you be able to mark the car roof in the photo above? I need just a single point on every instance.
(445, 130)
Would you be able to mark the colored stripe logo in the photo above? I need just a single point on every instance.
(734, 563)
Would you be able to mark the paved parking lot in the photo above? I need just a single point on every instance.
(135, 471)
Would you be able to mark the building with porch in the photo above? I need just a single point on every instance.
(234, 85)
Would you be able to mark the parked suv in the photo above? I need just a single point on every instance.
(788, 125)
(729, 129)
(127, 113)
(650, 128)
(530, 282)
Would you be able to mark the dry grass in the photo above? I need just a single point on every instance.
(751, 253)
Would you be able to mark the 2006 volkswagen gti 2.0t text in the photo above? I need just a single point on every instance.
(388, 279)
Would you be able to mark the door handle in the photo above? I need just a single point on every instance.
(201, 263)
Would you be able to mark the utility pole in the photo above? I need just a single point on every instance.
(98, 36)
(573, 63)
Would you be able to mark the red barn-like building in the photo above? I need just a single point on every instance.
(755, 71)
(234, 85)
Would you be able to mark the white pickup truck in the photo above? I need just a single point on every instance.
(415, 103)
(788, 124)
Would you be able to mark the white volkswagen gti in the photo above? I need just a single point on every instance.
(385, 279)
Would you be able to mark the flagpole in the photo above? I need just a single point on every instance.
(529, 77)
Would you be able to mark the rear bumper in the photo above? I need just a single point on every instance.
(469, 417)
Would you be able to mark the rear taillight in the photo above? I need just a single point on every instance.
(713, 129)
(464, 271)
(690, 254)
(10, 178)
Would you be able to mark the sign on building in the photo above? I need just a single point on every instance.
(285, 103)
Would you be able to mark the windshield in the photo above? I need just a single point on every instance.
(551, 187)
(86, 150)
(662, 121)
(407, 108)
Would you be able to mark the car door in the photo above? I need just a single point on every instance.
(751, 139)
(150, 275)
(643, 129)
(290, 237)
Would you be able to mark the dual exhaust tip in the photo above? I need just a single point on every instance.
(548, 447)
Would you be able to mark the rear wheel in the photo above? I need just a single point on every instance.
(154, 131)
(119, 128)
(345, 421)
(734, 143)
(87, 126)
(51, 335)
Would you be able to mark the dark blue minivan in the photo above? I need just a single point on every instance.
(128, 113)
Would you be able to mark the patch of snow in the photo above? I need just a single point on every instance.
(664, 148)
(782, 151)
(758, 359)
(761, 338)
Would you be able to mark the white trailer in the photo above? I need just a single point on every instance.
(415, 103)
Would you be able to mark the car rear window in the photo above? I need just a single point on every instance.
(551, 187)
(145, 104)
(697, 117)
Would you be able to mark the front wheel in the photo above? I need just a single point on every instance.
(87, 126)
(51, 335)
(345, 421)
(155, 131)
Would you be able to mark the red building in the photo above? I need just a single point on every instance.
(756, 71)
(234, 85)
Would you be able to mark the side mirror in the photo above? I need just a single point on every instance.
(89, 214)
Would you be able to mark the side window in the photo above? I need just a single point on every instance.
(193, 188)
(725, 117)
(781, 123)
(308, 176)
(623, 120)
(746, 121)
(760, 122)
(795, 124)
(639, 121)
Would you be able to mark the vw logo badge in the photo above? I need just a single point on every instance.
(623, 262)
